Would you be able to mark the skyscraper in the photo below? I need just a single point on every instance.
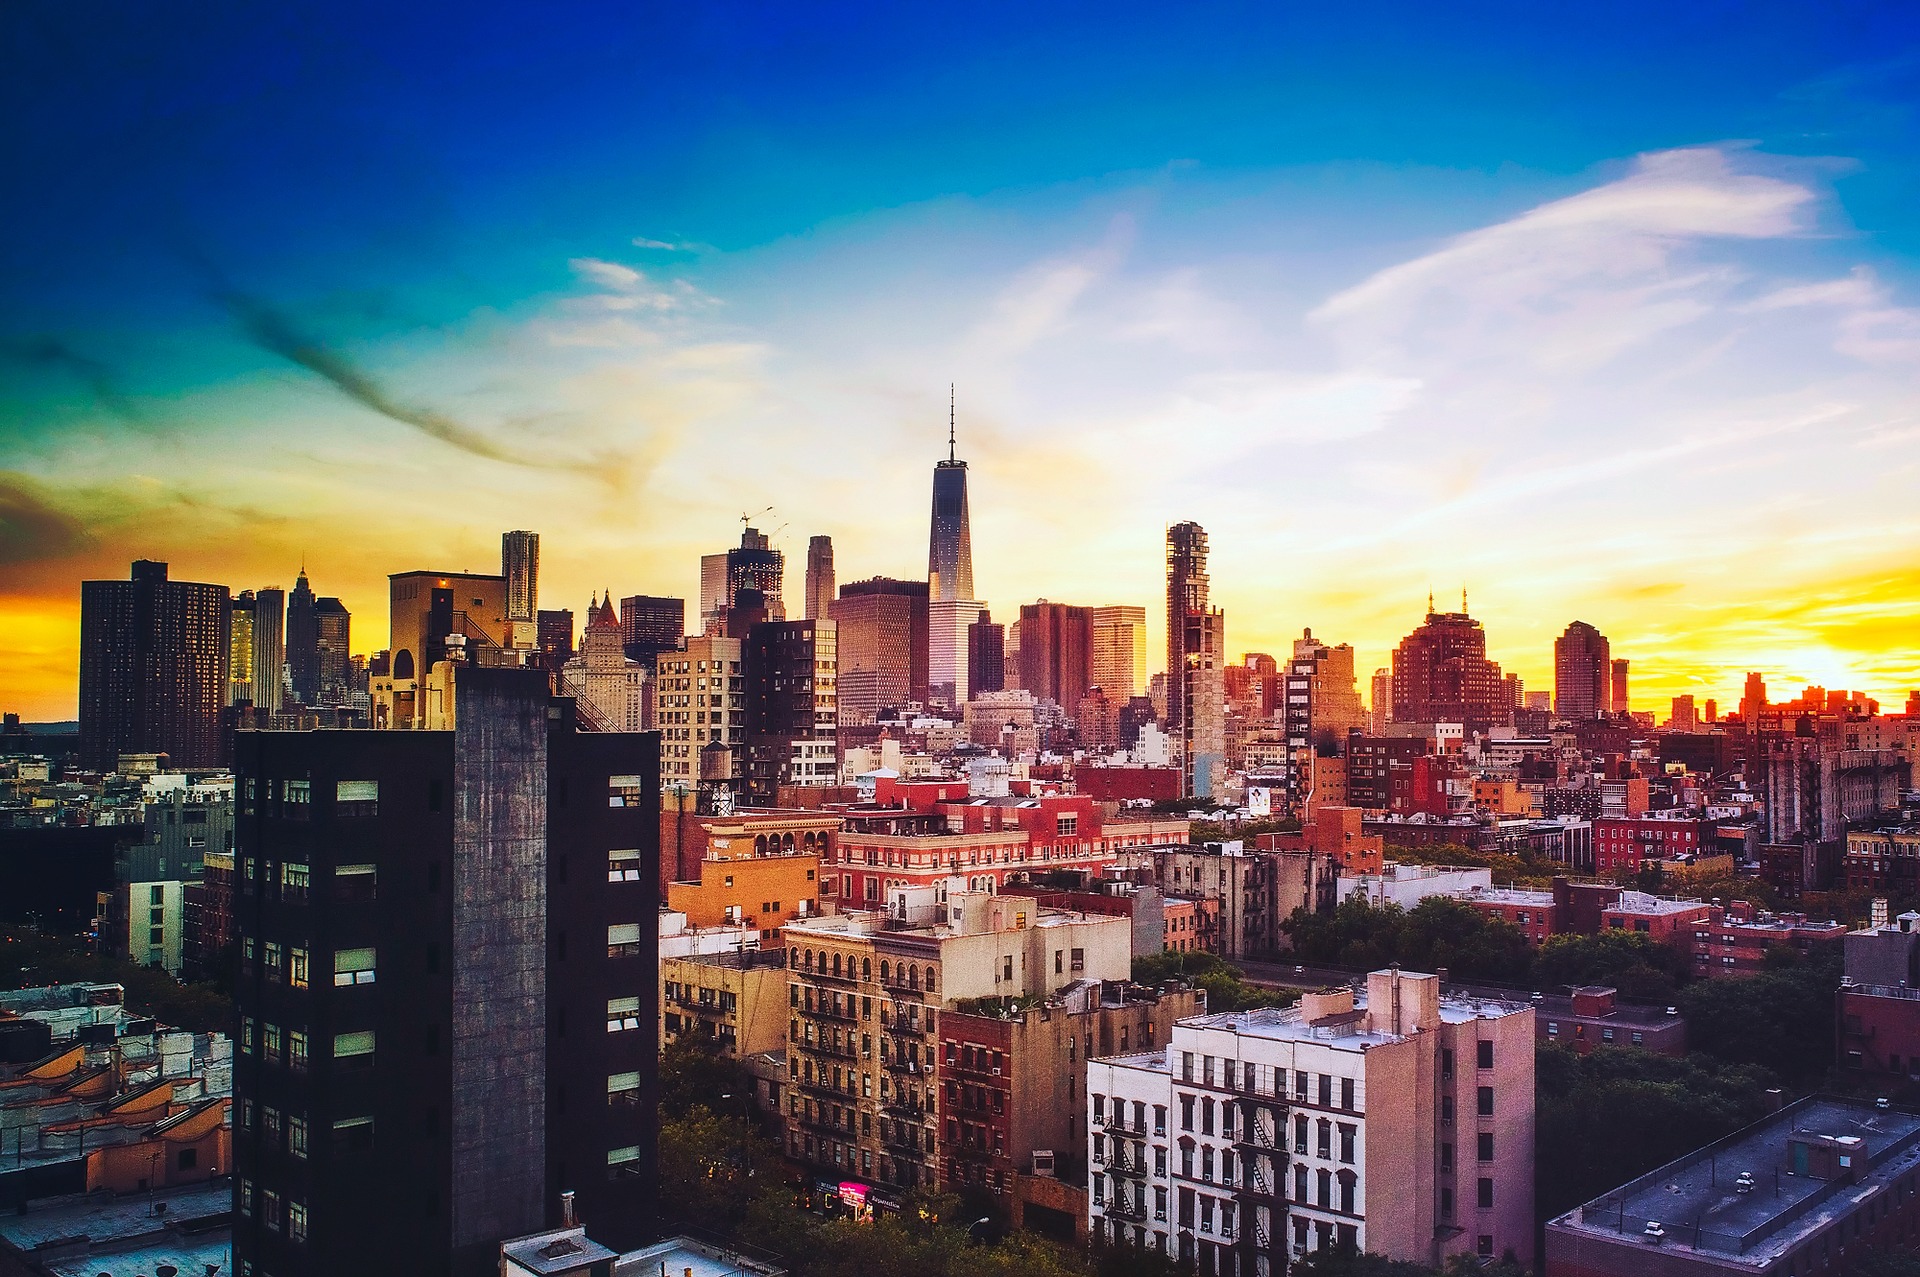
(1319, 706)
(1441, 673)
(1582, 673)
(986, 656)
(240, 649)
(303, 643)
(1617, 697)
(153, 668)
(1196, 646)
(877, 628)
(947, 675)
(269, 648)
(755, 565)
(520, 564)
(1380, 705)
(1119, 651)
(420, 1068)
(1753, 701)
(713, 593)
(819, 578)
(650, 625)
(554, 637)
(1056, 652)
(914, 653)
(792, 718)
(333, 634)
(950, 543)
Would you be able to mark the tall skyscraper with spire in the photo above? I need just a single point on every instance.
(950, 545)
(303, 642)
(951, 605)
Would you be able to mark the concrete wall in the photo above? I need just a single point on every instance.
(499, 878)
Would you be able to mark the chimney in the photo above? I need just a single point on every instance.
(568, 1219)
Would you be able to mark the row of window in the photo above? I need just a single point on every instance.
(292, 963)
(291, 1047)
(276, 1213)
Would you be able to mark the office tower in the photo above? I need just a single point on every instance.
(950, 542)
(947, 622)
(554, 628)
(713, 593)
(756, 565)
(1617, 689)
(269, 648)
(520, 565)
(153, 668)
(792, 708)
(700, 707)
(1582, 674)
(916, 594)
(1441, 673)
(1119, 658)
(240, 649)
(1393, 1119)
(1380, 704)
(1753, 701)
(333, 638)
(1056, 652)
(440, 949)
(819, 577)
(424, 608)
(303, 643)
(1196, 646)
(609, 688)
(1683, 717)
(650, 626)
(878, 629)
(1710, 712)
(986, 656)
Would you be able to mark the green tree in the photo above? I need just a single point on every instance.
(1641, 968)
(694, 1074)
(712, 1166)
(1781, 1019)
(1438, 932)
(1225, 984)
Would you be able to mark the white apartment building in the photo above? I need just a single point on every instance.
(1393, 1119)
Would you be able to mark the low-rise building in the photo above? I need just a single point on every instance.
(1622, 843)
(1809, 1189)
(735, 1002)
(1735, 940)
(1593, 1016)
(1392, 1120)
(1879, 1001)
(739, 885)
(1534, 912)
(1407, 885)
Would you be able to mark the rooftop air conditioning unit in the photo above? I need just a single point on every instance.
(1654, 1233)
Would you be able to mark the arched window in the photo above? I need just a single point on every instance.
(786, 843)
(883, 971)
(929, 979)
(866, 968)
(913, 977)
(760, 845)
(403, 664)
(809, 959)
(793, 957)
(836, 964)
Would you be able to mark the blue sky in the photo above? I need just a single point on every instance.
(1602, 313)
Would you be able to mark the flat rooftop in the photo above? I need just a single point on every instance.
(85, 1234)
(1658, 906)
(1510, 896)
(1695, 1201)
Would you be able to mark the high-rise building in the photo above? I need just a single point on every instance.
(700, 696)
(877, 632)
(1441, 673)
(153, 668)
(428, 952)
(650, 625)
(1119, 658)
(1196, 647)
(303, 643)
(269, 648)
(1380, 702)
(520, 565)
(986, 656)
(950, 542)
(240, 649)
(1753, 701)
(792, 707)
(1320, 705)
(819, 577)
(1056, 652)
(554, 630)
(888, 654)
(1392, 1120)
(755, 565)
(1617, 688)
(609, 687)
(333, 644)
(713, 593)
(947, 675)
(1582, 674)
(1683, 716)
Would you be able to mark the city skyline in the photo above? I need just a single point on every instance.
(1651, 368)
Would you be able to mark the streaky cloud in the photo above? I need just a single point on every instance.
(100, 379)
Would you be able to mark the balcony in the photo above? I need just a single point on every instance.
(1129, 1167)
(908, 1140)
(1120, 1208)
(918, 1068)
(824, 977)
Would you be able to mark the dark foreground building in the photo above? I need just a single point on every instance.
(436, 931)
(153, 668)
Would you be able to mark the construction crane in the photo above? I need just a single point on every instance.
(747, 519)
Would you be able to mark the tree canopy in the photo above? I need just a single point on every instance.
(1438, 932)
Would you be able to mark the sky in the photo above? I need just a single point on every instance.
(1610, 313)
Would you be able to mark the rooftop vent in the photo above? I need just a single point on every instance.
(1654, 1233)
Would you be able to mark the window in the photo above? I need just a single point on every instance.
(296, 1221)
(355, 1048)
(353, 966)
(1485, 1150)
(297, 1136)
(1326, 1090)
(623, 940)
(1346, 1093)
(1486, 1053)
(1484, 1101)
(295, 878)
(356, 798)
(156, 894)
(270, 1042)
(353, 1133)
(276, 962)
(1324, 1143)
(298, 798)
(623, 1162)
(297, 1050)
(1346, 1142)
(297, 968)
(625, 791)
(1486, 1193)
(246, 1196)
(1446, 1063)
(623, 1090)
(270, 1208)
(623, 866)
(622, 1014)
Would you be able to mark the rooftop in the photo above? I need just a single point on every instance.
(1509, 896)
(1641, 902)
(83, 1234)
(1705, 1213)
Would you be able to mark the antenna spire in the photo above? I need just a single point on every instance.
(1429, 602)
(952, 452)
(1463, 600)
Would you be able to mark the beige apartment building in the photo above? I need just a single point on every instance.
(734, 1001)
(1393, 1120)
(700, 700)
(865, 996)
